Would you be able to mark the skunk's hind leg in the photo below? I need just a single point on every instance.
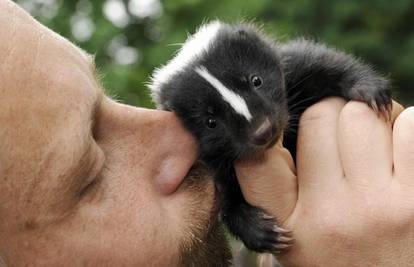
(255, 228)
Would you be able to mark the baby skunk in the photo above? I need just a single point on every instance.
(237, 91)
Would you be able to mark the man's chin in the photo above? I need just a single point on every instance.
(205, 242)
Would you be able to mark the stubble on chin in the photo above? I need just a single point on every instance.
(205, 242)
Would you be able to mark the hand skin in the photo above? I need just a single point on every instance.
(350, 202)
(74, 192)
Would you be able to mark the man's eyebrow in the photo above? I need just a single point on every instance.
(91, 61)
(101, 92)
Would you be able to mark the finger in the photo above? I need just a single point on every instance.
(269, 182)
(317, 149)
(365, 142)
(397, 108)
(403, 135)
(266, 260)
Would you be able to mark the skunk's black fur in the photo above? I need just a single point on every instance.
(300, 71)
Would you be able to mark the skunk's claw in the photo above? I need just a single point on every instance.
(377, 96)
(258, 230)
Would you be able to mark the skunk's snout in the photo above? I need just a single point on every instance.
(263, 134)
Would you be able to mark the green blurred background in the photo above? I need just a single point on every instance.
(132, 37)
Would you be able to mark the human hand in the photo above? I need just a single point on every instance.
(352, 200)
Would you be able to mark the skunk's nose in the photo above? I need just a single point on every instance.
(263, 134)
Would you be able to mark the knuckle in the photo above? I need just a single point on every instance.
(326, 108)
(404, 132)
(405, 121)
(335, 231)
(356, 110)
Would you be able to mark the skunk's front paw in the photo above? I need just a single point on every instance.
(258, 230)
(376, 94)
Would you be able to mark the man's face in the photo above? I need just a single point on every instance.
(84, 180)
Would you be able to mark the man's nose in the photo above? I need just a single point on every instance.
(153, 139)
(178, 153)
(263, 134)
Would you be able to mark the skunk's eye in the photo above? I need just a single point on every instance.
(211, 123)
(256, 81)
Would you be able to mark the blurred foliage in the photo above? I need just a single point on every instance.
(132, 37)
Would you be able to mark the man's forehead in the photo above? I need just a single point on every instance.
(40, 67)
(75, 50)
(15, 21)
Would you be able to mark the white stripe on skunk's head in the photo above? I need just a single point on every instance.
(233, 99)
(194, 47)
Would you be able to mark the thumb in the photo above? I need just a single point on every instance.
(269, 181)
